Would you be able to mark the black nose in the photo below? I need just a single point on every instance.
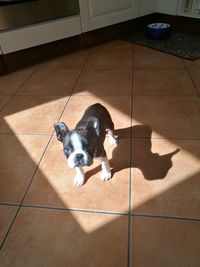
(79, 156)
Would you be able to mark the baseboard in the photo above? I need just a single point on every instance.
(2, 68)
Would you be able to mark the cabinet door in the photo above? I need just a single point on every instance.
(100, 13)
(147, 7)
(167, 7)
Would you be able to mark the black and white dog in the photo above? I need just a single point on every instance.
(86, 141)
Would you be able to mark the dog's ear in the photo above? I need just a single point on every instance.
(61, 130)
(93, 126)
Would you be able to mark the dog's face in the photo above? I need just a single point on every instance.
(78, 145)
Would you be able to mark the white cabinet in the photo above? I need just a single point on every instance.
(100, 13)
(167, 7)
(147, 7)
(189, 8)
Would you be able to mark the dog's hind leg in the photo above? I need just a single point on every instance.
(112, 138)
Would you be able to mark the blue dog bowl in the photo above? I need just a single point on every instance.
(158, 30)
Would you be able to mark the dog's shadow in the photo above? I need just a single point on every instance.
(152, 165)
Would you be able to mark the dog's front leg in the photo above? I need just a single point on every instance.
(80, 176)
(105, 169)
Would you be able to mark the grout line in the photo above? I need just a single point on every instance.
(166, 95)
(31, 181)
(165, 217)
(129, 256)
(5, 104)
(35, 69)
(167, 138)
(198, 94)
(122, 137)
(133, 214)
(42, 95)
(15, 94)
(82, 70)
(99, 69)
(174, 95)
(13, 133)
(76, 210)
(9, 204)
(71, 93)
(9, 228)
(102, 95)
(129, 245)
(105, 95)
(160, 68)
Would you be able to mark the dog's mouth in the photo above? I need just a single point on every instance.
(80, 160)
(82, 163)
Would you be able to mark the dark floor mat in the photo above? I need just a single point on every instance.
(178, 44)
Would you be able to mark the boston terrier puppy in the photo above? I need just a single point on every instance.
(84, 143)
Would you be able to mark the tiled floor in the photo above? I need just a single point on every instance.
(148, 214)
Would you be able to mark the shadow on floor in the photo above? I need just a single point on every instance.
(152, 165)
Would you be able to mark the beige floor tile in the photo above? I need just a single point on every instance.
(153, 59)
(18, 160)
(163, 82)
(30, 114)
(158, 242)
(195, 74)
(168, 116)
(7, 214)
(50, 82)
(165, 180)
(4, 100)
(192, 64)
(72, 61)
(11, 83)
(53, 183)
(105, 82)
(59, 238)
(109, 61)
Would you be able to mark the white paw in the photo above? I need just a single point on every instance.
(79, 180)
(113, 140)
(105, 175)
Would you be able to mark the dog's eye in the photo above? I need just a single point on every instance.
(67, 149)
(90, 146)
